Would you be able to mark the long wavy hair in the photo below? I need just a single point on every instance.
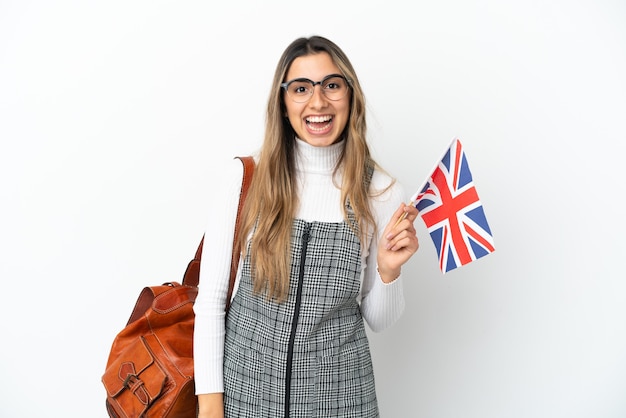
(272, 201)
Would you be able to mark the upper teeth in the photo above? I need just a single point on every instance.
(318, 119)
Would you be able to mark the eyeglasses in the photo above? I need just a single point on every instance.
(334, 87)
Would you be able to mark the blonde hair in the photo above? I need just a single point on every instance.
(272, 202)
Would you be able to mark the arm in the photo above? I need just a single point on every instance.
(209, 306)
(382, 298)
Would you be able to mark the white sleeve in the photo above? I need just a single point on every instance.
(209, 331)
(382, 303)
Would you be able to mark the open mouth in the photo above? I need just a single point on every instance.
(319, 123)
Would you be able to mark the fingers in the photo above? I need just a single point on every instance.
(411, 213)
(405, 215)
(405, 239)
(401, 232)
(392, 255)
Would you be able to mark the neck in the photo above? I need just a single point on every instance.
(318, 159)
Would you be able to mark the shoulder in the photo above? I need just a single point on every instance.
(384, 187)
(226, 175)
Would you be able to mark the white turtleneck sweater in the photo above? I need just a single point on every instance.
(381, 304)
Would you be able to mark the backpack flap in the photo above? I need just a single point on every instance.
(134, 379)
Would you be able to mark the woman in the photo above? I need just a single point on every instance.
(325, 233)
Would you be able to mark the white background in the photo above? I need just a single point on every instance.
(113, 113)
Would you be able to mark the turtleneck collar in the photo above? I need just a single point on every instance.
(317, 159)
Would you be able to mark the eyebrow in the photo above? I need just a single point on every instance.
(308, 79)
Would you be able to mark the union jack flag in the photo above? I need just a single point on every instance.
(449, 205)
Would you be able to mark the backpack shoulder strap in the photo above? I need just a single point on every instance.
(192, 274)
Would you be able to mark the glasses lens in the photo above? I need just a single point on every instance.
(300, 90)
(335, 88)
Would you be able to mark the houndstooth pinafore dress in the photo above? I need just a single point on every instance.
(308, 356)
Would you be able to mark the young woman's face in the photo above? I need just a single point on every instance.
(318, 121)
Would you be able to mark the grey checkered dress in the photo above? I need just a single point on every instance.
(308, 356)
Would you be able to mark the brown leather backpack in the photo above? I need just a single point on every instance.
(149, 372)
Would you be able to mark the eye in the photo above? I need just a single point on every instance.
(334, 83)
(300, 88)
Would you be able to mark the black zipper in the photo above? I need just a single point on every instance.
(306, 237)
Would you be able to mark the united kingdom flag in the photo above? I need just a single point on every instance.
(449, 205)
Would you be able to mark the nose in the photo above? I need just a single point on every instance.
(317, 98)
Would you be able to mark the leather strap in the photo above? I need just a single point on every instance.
(191, 277)
(248, 170)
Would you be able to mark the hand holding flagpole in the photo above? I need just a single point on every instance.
(397, 245)
(413, 202)
(404, 215)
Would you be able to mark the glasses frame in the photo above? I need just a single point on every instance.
(286, 84)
